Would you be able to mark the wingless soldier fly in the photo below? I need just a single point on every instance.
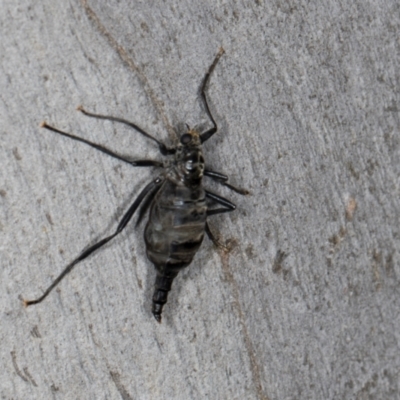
(177, 202)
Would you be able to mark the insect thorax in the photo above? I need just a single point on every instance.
(188, 164)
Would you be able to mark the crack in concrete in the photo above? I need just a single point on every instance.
(255, 368)
(27, 377)
(121, 389)
(123, 54)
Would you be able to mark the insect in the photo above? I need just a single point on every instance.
(178, 203)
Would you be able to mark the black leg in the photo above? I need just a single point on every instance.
(206, 135)
(223, 180)
(220, 200)
(146, 204)
(211, 236)
(135, 163)
(99, 244)
(163, 149)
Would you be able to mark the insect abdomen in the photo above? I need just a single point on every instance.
(173, 235)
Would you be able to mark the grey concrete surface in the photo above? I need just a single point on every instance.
(306, 304)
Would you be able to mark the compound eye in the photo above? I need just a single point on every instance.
(186, 138)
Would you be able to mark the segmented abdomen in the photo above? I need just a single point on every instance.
(176, 225)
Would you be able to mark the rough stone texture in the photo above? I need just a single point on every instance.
(306, 304)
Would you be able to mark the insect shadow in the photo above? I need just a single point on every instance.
(178, 204)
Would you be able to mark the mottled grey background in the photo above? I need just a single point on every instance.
(306, 304)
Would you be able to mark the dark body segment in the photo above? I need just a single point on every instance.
(173, 234)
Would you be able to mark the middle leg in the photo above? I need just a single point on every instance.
(134, 163)
(223, 180)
